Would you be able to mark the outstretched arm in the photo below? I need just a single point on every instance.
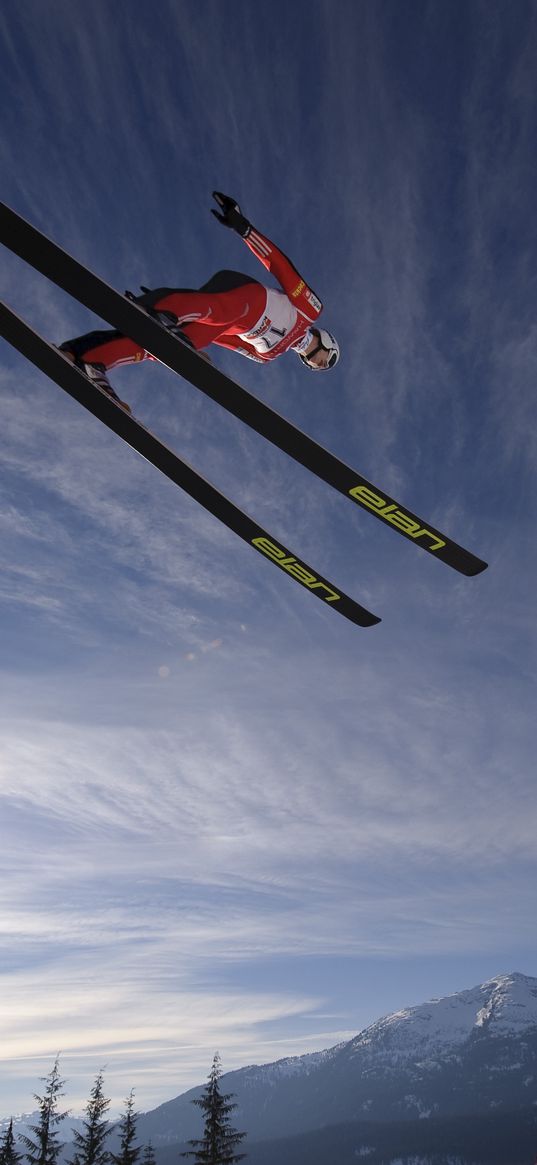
(274, 260)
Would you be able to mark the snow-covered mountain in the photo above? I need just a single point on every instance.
(461, 1069)
(506, 1005)
(23, 1123)
(473, 1052)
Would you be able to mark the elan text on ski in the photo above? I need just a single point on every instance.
(231, 310)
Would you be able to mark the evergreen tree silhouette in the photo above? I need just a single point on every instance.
(89, 1144)
(149, 1155)
(129, 1153)
(219, 1141)
(46, 1147)
(8, 1152)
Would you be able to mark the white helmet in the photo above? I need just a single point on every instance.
(326, 341)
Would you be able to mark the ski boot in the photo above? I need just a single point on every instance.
(96, 373)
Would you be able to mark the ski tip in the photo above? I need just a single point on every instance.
(476, 567)
(367, 619)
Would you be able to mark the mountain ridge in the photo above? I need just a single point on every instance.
(465, 1057)
(474, 1050)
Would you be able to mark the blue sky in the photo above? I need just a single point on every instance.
(228, 818)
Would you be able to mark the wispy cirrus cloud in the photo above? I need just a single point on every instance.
(500, 123)
(222, 832)
(205, 783)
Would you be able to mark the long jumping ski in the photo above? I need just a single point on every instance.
(57, 265)
(56, 366)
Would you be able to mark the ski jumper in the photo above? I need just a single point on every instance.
(231, 310)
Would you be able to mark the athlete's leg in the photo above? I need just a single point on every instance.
(204, 315)
(229, 302)
(107, 347)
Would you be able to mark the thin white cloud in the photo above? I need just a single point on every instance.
(500, 230)
(199, 773)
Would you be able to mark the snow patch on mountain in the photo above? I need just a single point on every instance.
(291, 1066)
(505, 1005)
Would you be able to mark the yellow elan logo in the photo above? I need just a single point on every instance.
(294, 568)
(392, 514)
(298, 289)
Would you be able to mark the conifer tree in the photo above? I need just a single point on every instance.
(129, 1153)
(219, 1141)
(89, 1144)
(8, 1152)
(149, 1155)
(46, 1148)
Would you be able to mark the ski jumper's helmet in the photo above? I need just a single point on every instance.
(325, 341)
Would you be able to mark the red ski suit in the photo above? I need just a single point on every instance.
(232, 310)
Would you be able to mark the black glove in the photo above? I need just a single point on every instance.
(232, 215)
